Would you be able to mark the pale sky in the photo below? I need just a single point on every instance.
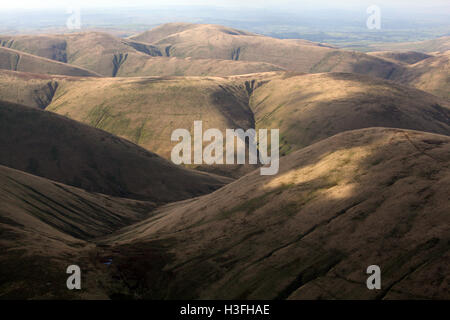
(297, 4)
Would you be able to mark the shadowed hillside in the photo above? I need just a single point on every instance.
(373, 196)
(52, 146)
(44, 225)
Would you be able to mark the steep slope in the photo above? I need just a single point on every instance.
(19, 61)
(217, 42)
(308, 108)
(373, 196)
(57, 148)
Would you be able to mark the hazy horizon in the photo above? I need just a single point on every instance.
(319, 20)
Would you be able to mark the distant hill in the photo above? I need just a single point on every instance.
(441, 44)
(97, 51)
(431, 75)
(185, 49)
(112, 56)
(408, 57)
(19, 61)
(48, 145)
(205, 41)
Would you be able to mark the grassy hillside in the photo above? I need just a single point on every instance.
(372, 196)
(19, 61)
(57, 148)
